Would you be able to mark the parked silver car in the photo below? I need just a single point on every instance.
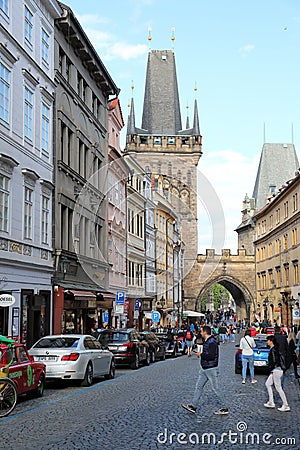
(73, 357)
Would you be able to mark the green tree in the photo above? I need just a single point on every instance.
(218, 293)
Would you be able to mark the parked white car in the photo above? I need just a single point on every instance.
(73, 357)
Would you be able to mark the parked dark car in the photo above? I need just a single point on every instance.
(261, 352)
(170, 342)
(156, 346)
(127, 346)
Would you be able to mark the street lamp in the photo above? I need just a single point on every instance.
(64, 265)
(162, 301)
(265, 305)
(291, 302)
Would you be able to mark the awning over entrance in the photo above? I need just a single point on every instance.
(82, 295)
(189, 313)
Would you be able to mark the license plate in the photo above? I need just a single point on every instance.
(47, 358)
(260, 363)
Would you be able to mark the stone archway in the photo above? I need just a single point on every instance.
(235, 272)
(240, 293)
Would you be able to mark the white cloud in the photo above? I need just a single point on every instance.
(246, 49)
(125, 51)
(232, 175)
(107, 44)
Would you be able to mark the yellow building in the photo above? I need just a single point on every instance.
(277, 252)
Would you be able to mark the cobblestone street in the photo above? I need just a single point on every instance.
(141, 410)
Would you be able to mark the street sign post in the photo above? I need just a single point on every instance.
(120, 298)
(155, 316)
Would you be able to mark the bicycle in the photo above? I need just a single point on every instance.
(8, 390)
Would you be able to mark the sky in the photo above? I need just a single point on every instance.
(243, 58)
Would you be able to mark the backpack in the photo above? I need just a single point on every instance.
(188, 335)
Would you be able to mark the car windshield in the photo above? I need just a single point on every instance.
(57, 342)
(113, 337)
(260, 343)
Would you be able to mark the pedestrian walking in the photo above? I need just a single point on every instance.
(247, 345)
(208, 373)
(276, 366)
(189, 339)
(222, 332)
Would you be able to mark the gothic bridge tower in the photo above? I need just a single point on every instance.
(165, 148)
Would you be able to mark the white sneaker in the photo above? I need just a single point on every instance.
(284, 408)
(269, 405)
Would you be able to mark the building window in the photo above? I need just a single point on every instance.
(4, 202)
(278, 276)
(28, 210)
(295, 202)
(45, 46)
(295, 236)
(286, 209)
(45, 219)
(296, 272)
(61, 57)
(270, 249)
(28, 24)
(4, 6)
(68, 69)
(28, 113)
(277, 216)
(286, 275)
(271, 222)
(45, 127)
(4, 93)
(285, 242)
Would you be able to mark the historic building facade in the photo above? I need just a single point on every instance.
(83, 91)
(26, 165)
(277, 251)
(170, 151)
(118, 173)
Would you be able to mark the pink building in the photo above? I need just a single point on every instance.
(117, 227)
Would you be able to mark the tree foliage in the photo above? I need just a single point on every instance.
(219, 293)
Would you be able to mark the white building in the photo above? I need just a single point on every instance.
(26, 164)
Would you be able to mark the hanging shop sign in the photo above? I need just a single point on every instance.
(7, 300)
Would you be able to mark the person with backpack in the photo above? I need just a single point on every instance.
(189, 339)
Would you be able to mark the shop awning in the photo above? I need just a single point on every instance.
(82, 295)
(189, 313)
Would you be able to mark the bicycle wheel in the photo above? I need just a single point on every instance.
(8, 396)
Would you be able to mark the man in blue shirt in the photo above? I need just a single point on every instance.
(208, 372)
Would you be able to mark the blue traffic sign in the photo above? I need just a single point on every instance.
(120, 298)
(155, 316)
(137, 304)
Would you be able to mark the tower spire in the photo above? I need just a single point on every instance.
(187, 126)
(196, 127)
(173, 37)
(149, 37)
(131, 119)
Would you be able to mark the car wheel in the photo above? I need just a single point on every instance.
(152, 356)
(237, 369)
(39, 391)
(135, 364)
(88, 377)
(148, 359)
(112, 371)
